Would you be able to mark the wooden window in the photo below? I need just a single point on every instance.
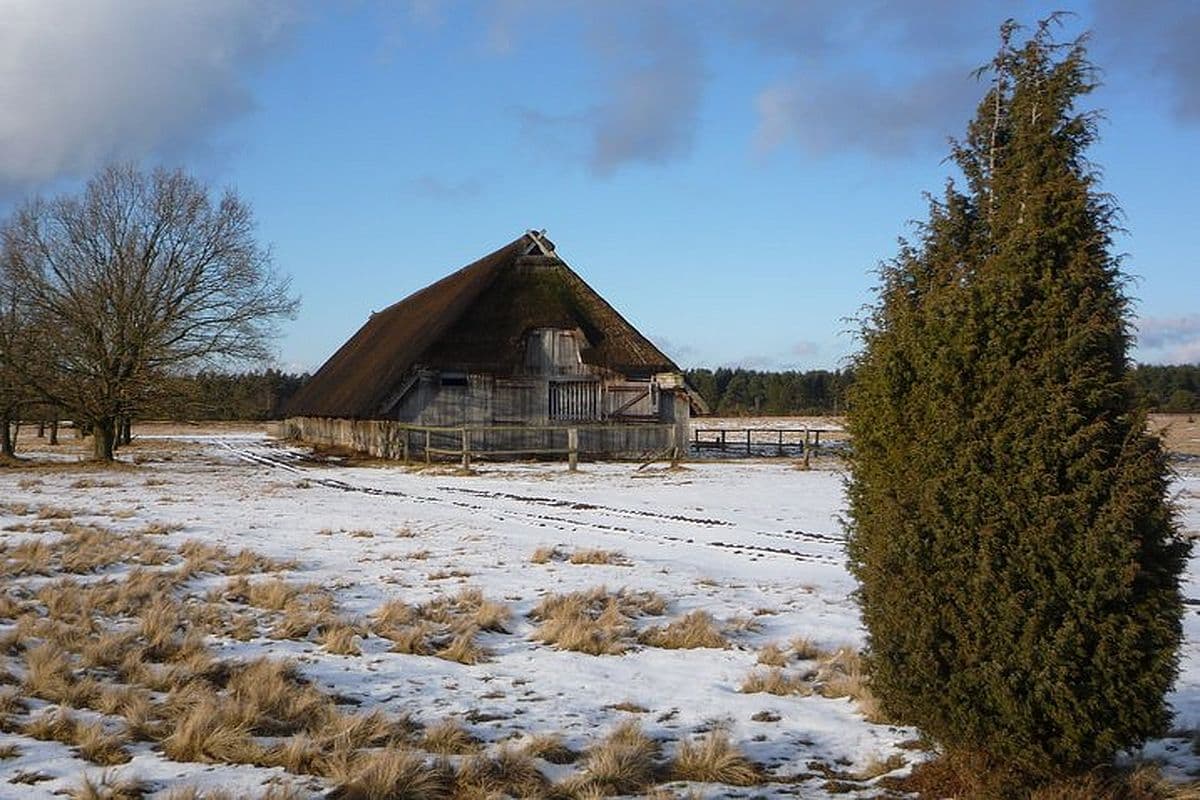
(575, 400)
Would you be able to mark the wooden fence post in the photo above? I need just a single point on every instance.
(404, 447)
(573, 449)
(426, 445)
(466, 448)
(747, 441)
(806, 449)
(672, 441)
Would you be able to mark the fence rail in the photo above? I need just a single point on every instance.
(762, 441)
(408, 443)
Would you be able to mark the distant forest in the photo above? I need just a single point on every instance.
(728, 392)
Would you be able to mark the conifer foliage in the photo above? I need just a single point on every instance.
(1017, 557)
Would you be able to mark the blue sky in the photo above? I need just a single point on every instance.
(726, 174)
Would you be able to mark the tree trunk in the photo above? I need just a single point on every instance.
(41, 434)
(126, 430)
(104, 432)
(54, 431)
(6, 437)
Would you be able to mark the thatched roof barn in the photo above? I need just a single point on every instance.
(515, 338)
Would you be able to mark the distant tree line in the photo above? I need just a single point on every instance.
(261, 395)
(210, 395)
(1171, 389)
(737, 391)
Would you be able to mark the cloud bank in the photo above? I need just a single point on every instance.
(84, 83)
(1169, 340)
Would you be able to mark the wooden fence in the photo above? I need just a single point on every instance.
(761, 441)
(409, 443)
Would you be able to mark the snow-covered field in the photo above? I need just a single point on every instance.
(757, 545)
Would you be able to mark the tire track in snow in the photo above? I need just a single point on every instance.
(280, 459)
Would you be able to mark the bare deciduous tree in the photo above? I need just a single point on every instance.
(139, 277)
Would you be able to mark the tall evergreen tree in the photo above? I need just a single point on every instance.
(1017, 556)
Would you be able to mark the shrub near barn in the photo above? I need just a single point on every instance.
(1018, 562)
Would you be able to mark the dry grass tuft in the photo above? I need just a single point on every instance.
(394, 613)
(106, 748)
(594, 556)
(544, 555)
(594, 621)
(806, 650)
(464, 649)
(391, 773)
(550, 747)
(772, 656)
(507, 773)
(843, 674)
(160, 528)
(449, 737)
(626, 762)
(774, 681)
(110, 786)
(714, 760)
(693, 630)
(52, 726)
(341, 639)
(207, 734)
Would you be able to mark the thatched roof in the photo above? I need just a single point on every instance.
(474, 320)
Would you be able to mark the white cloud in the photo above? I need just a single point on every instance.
(84, 83)
(1169, 340)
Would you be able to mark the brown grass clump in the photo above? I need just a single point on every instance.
(341, 639)
(370, 729)
(464, 649)
(593, 621)
(109, 787)
(30, 557)
(624, 763)
(102, 747)
(693, 630)
(1142, 783)
(843, 674)
(507, 773)
(394, 613)
(714, 760)
(970, 775)
(412, 639)
(160, 528)
(594, 556)
(449, 737)
(447, 626)
(9, 751)
(274, 594)
(52, 726)
(269, 697)
(805, 649)
(390, 774)
(774, 681)
(207, 734)
(49, 674)
(550, 747)
(299, 754)
(544, 555)
(772, 656)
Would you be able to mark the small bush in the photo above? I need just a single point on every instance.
(774, 681)
(714, 760)
(693, 630)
